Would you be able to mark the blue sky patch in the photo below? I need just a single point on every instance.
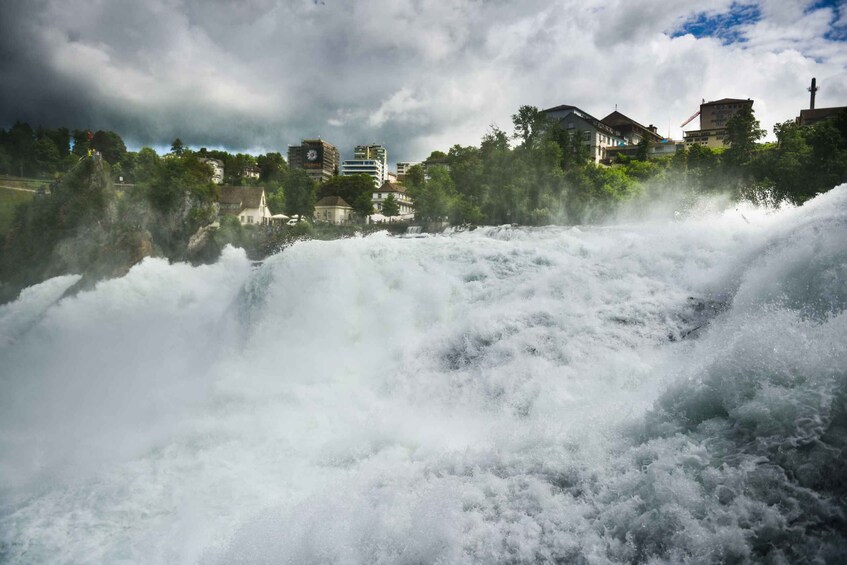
(724, 26)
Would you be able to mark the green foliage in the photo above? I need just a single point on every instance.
(47, 156)
(180, 177)
(177, 148)
(390, 206)
(530, 125)
(433, 199)
(742, 133)
(643, 152)
(272, 168)
(356, 190)
(415, 177)
(10, 199)
(299, 193)
(805, 160)
(81, 143)
(110, 145)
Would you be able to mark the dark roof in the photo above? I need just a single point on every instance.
(616, 120)
(585, 116)
(332, 201)
(559, 108)
(389, 186)
(726, 101)
(818, 114)
(244, 196)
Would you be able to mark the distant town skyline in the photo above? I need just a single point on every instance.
(415, 76)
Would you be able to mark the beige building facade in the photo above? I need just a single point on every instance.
(713, 118)
(334, 210)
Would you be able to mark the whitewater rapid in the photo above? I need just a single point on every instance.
(663, 391)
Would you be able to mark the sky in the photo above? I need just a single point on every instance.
(414, 75)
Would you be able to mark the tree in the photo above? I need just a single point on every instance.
(742, 133)
(299, 193)
(81, 143)
(415, 177)
(147, 164)
(642, 154)
(178, 177)
(272, 167)
(47, 155)
(110, 145)
(530, 124)
(390, 206)
(356, 190)
(433, 199)
(177, 148)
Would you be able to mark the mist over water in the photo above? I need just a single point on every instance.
(665, 391)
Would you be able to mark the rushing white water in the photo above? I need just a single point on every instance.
(668, 391)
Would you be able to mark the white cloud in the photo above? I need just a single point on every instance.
(416, 74)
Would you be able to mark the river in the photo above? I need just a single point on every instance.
(666, 391)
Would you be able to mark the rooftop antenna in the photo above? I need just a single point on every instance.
(814, 88)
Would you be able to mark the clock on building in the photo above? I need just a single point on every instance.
(311, 155)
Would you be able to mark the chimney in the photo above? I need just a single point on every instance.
(652, 128)
(814, 88)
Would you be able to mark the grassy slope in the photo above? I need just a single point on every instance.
(9, 199)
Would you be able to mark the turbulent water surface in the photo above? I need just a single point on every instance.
(666, 391)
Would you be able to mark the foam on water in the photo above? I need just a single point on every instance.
(668, 391)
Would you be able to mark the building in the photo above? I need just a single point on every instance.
(318, 158)
(812, 116)
(335, 210)
(217, 169)
(371, 160)
(250, 172)
(371, 167)
(375, 152)
(633, 134)
(404, 202)
(631, 131)
(593, 132)
(664, 148)
(247, 203)
(403, 168)
(713, 118)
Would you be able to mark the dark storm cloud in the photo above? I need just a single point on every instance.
(416, 75)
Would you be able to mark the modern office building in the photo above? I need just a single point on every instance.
(373, 151)
(371, 167)
(317, 157)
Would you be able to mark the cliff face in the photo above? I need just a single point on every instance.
(85, 227)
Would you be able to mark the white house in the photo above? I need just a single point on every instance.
(247, 203)
(334, 210)
(217, 169)
(251, 172)
(404, 202)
